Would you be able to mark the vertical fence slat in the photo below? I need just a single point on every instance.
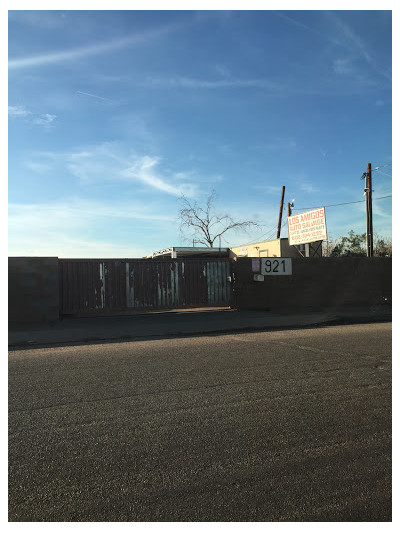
(99, 286)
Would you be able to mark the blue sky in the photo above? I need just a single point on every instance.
(113, 115)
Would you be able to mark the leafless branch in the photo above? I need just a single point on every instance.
(203, 225)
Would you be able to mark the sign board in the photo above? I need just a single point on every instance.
(255, 265)
(307, 227)
(276, 266)
(242, 252)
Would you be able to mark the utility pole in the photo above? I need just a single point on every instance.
(368, 205)
(278, 233)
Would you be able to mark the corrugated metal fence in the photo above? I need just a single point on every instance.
(108, 286)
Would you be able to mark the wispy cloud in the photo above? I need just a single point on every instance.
(71, 228)
(39, 18)
(73, 54)
(352, 40)
(343, 66)
(78, 211)
(295, 22)
(45, 120)
(198, 83)
(17, 111)
(20, 112)
(94, 96)
(37, 167)
(341, 34)
(144, 170)
(355, 44)
(111, 161)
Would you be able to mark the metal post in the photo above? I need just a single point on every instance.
(368, 205)
(371, 231)
(278, 233)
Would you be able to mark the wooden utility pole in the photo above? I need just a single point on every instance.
(278, 233)
(368, 205)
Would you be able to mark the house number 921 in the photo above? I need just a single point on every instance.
(280, 266)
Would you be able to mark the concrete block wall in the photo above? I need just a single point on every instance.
(33, 290)
(33, 286)
(316, 282)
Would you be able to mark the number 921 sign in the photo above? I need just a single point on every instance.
(276, 266)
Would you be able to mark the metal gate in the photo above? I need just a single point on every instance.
(112, 286)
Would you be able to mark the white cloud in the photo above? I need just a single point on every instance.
(77, 212)
(343, 66)
(144, 170)
(37, 167)
(81, 228)
(63, 246)
(63, 56)
(38, 18)
(110, 161)
(184, 82)
(18, 111)
(94, 96)
(353, 42)
(324, 36)
(45, 120)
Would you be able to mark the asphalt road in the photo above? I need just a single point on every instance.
(268, 426)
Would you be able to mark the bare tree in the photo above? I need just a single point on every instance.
(204, 225)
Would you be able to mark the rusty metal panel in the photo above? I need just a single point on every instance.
(129, 284)
(81, 285)
(107, 286)
(217, 283)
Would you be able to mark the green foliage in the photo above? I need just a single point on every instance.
(382, 247)
(354, 245)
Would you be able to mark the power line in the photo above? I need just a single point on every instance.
(377, 168)
(344, 203)
(266, 236)
(382, 166)
(384, 173)
(270, 233)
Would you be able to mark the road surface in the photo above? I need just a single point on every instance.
(267, 426)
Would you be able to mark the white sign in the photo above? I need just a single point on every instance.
(307, 227)
(242, 252)
(276, 266)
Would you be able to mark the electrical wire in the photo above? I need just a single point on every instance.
(265, 236)
(364, 175)
(382, 166)
(384, 173)
(344, 203)
(270, 233)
